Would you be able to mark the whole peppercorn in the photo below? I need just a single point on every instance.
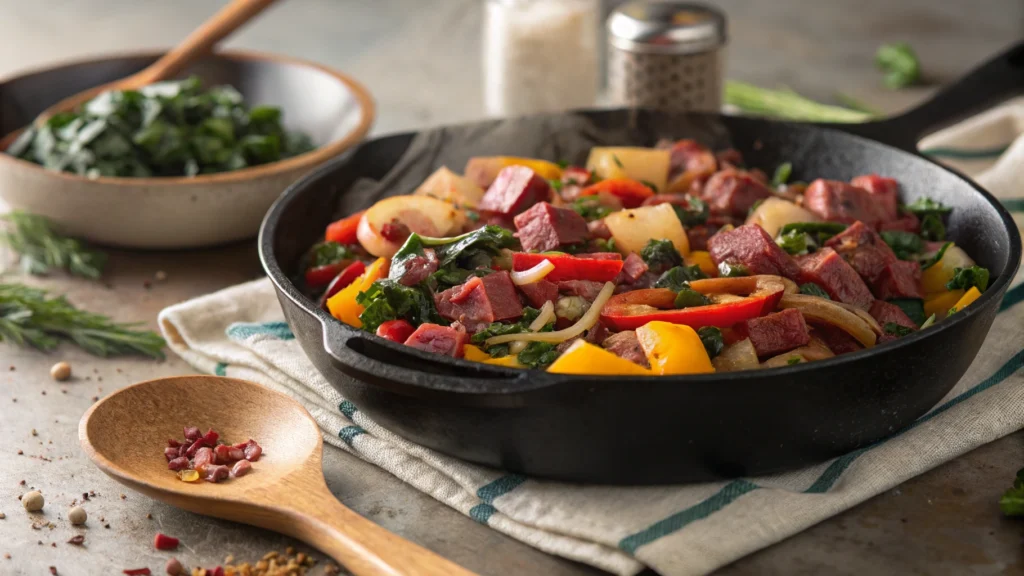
(33, 501)
(60, 371)
(77, 515)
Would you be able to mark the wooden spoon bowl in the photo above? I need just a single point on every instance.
(126, 432)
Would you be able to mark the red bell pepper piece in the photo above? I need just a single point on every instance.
(344, 231)
(164, 542)
(342, 280)
(395, 330)
(138, 572)
(630, 192)
(318, 276)
(569, 267)
(631, 310)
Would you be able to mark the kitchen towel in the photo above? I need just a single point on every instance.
(675, 530)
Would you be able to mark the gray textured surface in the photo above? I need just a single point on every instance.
(420, 59)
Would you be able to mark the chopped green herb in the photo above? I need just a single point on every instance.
(556, 184)
(794, 360)
(828, 229)
(502, 328)
(924, 206)
(812, 289)
(732, 270)
(605, 245)
(782, 174)
(930, 261)
(678, 277)
(30, 317)
(712, 340)
(661, 255)
(688, 298)
(1012, 501)
(694, 213)
(650, 185)
(794, 242)
(590, 208)
(459, 256)
(563, 164)
(932, 228)
(40, 249)
(899, 63)
(389, 300)
(787, 104)
(951, 311)
(965, 278)
(165, 129)
(326, 253)
(538, 354)
(617, 161)
(896, 329)
(912, 307)
(906, 245)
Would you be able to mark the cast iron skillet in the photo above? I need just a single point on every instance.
(665, 429)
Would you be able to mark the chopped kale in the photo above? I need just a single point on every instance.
(820, 229)
(812, 289)
(896, 329)
(712, 339)
(590, 208)
(932, 228)
(912, 307)
(538, 354)
(679, 277)
(794, 360)
(1012, 501)
(782, 173)
(906, 245)
(694, 213)
(326, 253)
(688, 298)
(794, 242)
(603, 245)
(459, 257)
(924, 206)
(965, 278)
(661, 255)
(388, 300)
(730, 270)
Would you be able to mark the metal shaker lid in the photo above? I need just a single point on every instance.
(666, 27)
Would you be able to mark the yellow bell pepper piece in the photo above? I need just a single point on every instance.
(934, 278)
(543, 168)
(673, 349)
(940, 302)
(476, 354)
(702, 258)
(343, 304)
(965, 301)
(585, 358)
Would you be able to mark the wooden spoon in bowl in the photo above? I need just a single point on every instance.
(196, 45)
(125, 435)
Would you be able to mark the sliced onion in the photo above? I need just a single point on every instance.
(814, 350)
(828, 311)
(863, 315)
(736, 356)
(791, 287)
(584, 323)
(547, 314)
(535, 274)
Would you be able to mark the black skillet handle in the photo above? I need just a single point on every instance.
(364, 358)
(997, 80)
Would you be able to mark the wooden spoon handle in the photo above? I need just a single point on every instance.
(364, 548)
(198, 43)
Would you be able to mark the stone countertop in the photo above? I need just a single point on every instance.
(944, 521)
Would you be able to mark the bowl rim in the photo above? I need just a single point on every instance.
(306, 160)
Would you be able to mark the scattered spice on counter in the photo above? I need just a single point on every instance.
(174, 567)
(77, 515)
(77, 540)
(138, 572)
(164, 542)
(60, 371)
(32, 501)
(206, 456)
(7, 555)
(160, 276)
(53, 570)
(34, 433)
(2, 515)
(149, 516)
(21, 452)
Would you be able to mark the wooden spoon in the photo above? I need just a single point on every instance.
(126, 432)
(196, 45)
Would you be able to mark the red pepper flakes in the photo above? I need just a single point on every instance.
(164, 542)
(138, 572)
(77, 540)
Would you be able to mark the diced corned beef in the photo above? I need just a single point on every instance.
(626, 345)
(884, 191)
(515, 189)
(438, 339)
(192, 433)
(885, 312)
(729, 158)
(597, 334)
(598, 229)
(733, 192)
(586, 289)
(539, 292)
(633, 268)
(905, 223)
(419, 268)
(777, 332)
(864, 249)
(698, 236)
(751, 246)
(899, 279)
(481, 301)
(544, 227)
(574, 179)
(827, 269)
(837, 339)
(842, 202)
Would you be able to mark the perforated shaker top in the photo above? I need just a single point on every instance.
(666, 55)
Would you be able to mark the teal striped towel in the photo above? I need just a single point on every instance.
(676, 530)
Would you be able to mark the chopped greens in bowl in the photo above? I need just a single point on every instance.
(168, 129)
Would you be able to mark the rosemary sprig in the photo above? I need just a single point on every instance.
(29, 317)
(41, 249)
(786, 104)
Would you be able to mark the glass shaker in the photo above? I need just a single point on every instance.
(540, 55)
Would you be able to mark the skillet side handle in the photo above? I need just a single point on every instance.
(997, 80)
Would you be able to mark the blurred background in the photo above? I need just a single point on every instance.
(421, 59)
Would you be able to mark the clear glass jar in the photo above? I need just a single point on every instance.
(540, 55)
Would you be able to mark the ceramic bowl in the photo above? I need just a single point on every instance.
(334, 110)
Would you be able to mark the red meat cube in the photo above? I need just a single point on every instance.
(543, 227)
(885, 312)
(480, 301)
(632, 269)
(438, 339)
(864, 249)
(586, 289)
(539, 292)
(827, 269)
(839, 201)
(778, 332)
(752, 247)
(837, 339)
(883, 191)
(900, 279)
(626, 345)
(515, 189)
(904, 223)
(733, 192)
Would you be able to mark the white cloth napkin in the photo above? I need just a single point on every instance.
(676, 530)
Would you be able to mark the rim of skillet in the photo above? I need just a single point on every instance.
(309, 159)
(284, 284)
